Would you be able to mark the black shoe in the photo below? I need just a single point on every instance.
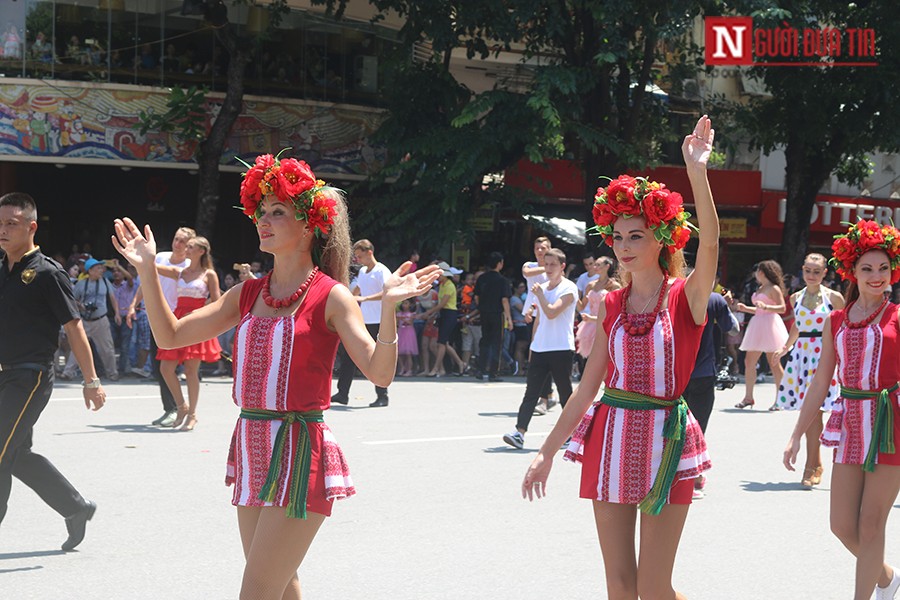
(340, 398)
(382, 401)
(480, 377)
(494, 378)
(75, 525)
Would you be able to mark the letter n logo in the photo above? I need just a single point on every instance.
(728, 40)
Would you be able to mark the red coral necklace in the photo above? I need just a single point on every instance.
(277, 303)
(631, 326)
(867, 320)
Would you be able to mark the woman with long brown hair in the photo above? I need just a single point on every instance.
(863, 342)
(285, 464)
(766, 333)
(195, 285)
(645, 357)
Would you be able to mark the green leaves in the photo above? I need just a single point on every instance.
(186, 115)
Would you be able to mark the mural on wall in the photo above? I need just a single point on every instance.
(89, 122)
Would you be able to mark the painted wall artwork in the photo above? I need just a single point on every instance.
(72, 120)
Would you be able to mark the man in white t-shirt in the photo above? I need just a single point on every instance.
(176, 258)
(553, 345)
(533, 272)
(590, 274)
(368, 291)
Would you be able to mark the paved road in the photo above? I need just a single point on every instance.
(438, 514)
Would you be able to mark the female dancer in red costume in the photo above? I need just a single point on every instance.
(195, 285)
(284, 462)
(863, 341)
(639, 445)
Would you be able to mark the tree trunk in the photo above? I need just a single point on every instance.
(804, 177)
(210, 151)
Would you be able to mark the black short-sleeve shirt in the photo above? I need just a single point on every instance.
(35, 300)
(491, 288)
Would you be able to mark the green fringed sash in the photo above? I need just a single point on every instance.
(673, 431)
(298, 480)
(883, 432)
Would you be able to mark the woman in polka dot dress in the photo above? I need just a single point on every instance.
(812, 305)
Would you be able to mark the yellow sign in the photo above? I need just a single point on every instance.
(460, 258)
(483, 218)
(732, 228)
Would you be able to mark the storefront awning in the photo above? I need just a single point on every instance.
(571, 231)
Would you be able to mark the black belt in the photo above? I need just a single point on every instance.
(25, 365)
(810, 334)
(92, 320)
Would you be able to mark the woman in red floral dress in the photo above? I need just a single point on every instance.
(284, 462)
(639, 445)
(863, 342)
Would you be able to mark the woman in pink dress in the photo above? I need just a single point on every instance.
(195, 285)
(639, 445)
(766, 333)
(408, 347)
(588, 306)
(863, 342)
(284, 462)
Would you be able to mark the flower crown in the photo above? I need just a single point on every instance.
(859, 239)
(291, 181)
(663, 209)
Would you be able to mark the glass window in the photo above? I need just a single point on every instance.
(149, 42)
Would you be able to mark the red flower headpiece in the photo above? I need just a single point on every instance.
(662, 208)
(859, 239)
(291, 181)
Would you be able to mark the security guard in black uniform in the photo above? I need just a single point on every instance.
(35, 299)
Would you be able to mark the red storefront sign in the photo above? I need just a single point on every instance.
(831, 212)
(557, 181)
(562, 182)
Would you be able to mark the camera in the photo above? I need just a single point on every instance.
(89, 308)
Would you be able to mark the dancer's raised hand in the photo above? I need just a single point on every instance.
(697, 146)
(402, 284)
(137, 248)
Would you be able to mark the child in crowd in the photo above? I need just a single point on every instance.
(408, 346)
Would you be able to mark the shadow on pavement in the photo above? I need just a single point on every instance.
(748, 411)
(772, 486)
(509, 450)
(498, 414)
(132, 428)
(32, 554)
(34, 568)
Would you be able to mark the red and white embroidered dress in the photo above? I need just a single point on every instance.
(191, 296)
(868, 358)
(284, 364)
(621, 449)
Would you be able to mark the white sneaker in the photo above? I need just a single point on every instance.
(889, 592)
(515, 439)
(551, 402)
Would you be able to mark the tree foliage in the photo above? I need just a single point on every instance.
(187, 109)
(579, 92)
(825, 118)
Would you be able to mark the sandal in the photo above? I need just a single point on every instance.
(745, 403)
(774, 408)
(182, 413)
(190, 423)
(816, 477)
(807, 480)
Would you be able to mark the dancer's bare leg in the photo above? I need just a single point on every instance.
(274, 546)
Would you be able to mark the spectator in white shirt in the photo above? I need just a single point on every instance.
(553, 345)
(368, 291)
